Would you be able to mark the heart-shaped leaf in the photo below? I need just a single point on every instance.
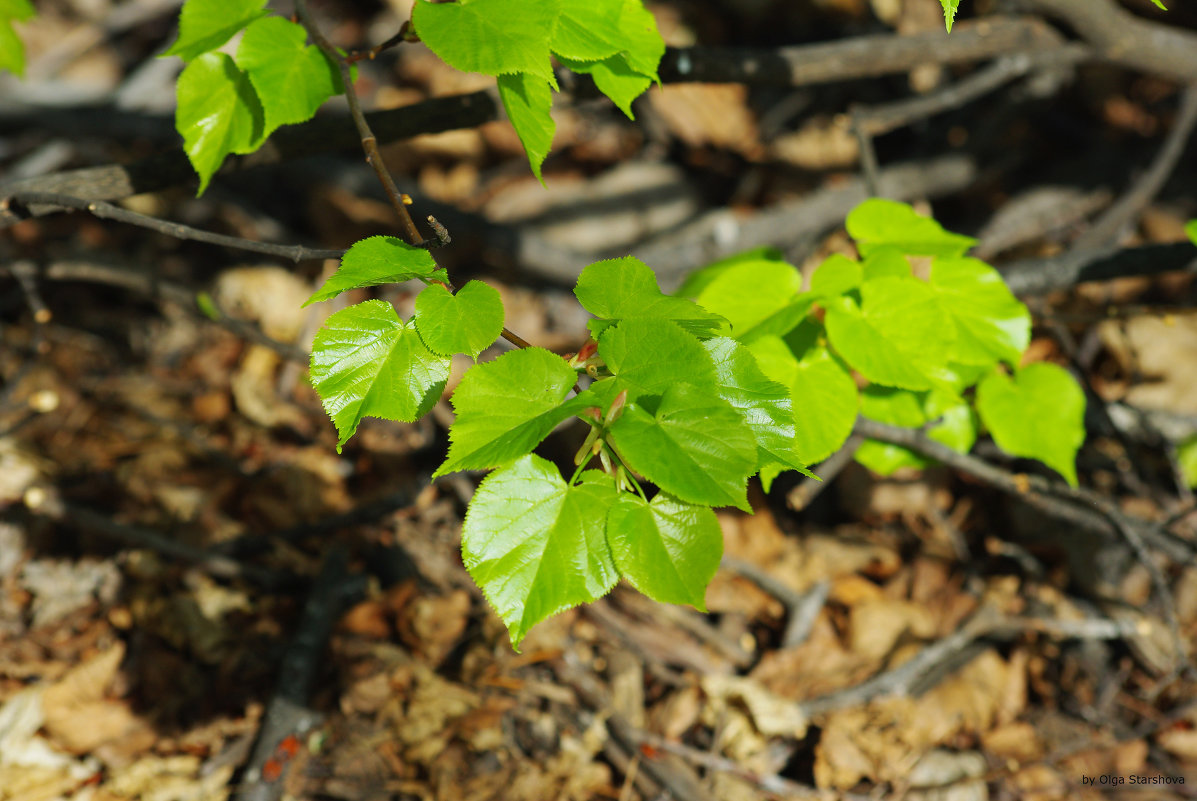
(535, 545)
(1039, 414)
(467, 322)
(667, 549)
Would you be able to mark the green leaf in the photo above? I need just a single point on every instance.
(1039, 414)
(701, 278)
(642, 44)
(775, 358)
(957, 426)
(625, 288)
(878, 222)
(825, 402)
(536, 546)
(991, 324)
(650, 355)
(763, 404)
(1191, 231)
(528, 101)
(615, 78)
(205, 25)
(378, 260)
(884, 261)
(587, 30)
(898, 407)
(218, 113)
(1186, 458)
(292, 79)
(950, 7)
(835, 276)
(667, 549)
(12, 49)
(507, 406)
(899, 336)
(690, 444)
(20, 10)
(749, 294)
(494, 37)
(367, 363)
(1158, 3)
(467, 322)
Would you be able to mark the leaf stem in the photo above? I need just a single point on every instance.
(370, 144)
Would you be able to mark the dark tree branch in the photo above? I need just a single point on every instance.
(1106, 228)
(1040, 276)
(20, 201)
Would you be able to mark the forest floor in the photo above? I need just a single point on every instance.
(200, 598)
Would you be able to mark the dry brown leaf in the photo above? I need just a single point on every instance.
(1163, 350)
(816, 667)
(877, 625)
(709, 114)
(822, 143)
(772, 715)
(433, 624)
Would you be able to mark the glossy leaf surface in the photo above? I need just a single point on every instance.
(466, 322)
(667, 549)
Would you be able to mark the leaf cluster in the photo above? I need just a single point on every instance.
(940, 352)
(231, 104)
(615, 42)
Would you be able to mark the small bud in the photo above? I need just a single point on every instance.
(616, 408)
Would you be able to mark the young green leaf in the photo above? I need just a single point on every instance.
(292, 78)
(690, 444)
(648, 356)
(668, 549)
(467, 322)
(1191, 231)
(949, 11)
(378, 260)
(619, 289)
(587, 30)
(701, 278)
(764, 404)
(494, 37)
(899, 336)
(218, 113)
(748, 295)
(1039, 414)
(12, 50)
(615, 78)
(885, 261)
(367, 363)
(1160, 4)
(898, 407)
(507, 406)
(1186, 460)
(991, 324)
(205, 25)
(641, 45)
(528, 101)
(835, 276)
(536, 546)
(825, 402)
(878, 222)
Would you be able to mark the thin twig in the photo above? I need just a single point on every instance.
(15, 202)
(373, 156)
(1149, 184)
(1131, 530)
(147, 283)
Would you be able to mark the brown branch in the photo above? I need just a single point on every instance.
(1119, 37)
(858, 57)
(1040, 276)
(18, 203)
(1057, 499)
(1149, 184)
